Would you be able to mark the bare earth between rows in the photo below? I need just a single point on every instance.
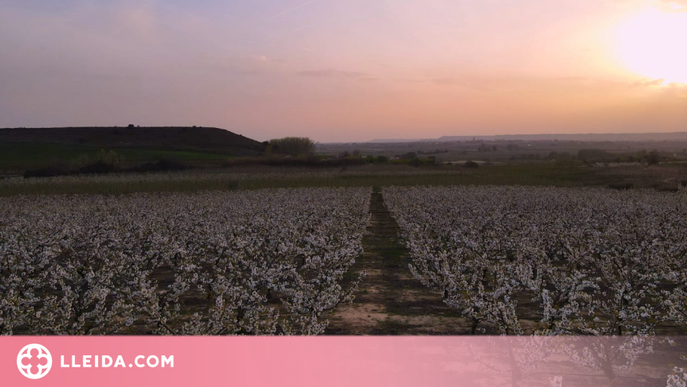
(389, 300)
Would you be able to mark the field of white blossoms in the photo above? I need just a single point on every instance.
(609, 267)
(249, 262)
(585, 261)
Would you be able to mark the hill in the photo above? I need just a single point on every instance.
(199, 139)
(589, 137)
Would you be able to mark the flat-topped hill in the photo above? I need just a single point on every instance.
(205, 139)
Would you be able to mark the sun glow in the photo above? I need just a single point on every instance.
(651, 44)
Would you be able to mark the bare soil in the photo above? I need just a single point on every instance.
(389, 300)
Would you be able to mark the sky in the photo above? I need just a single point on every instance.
(347, 70)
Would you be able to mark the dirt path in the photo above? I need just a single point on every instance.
(390, 301)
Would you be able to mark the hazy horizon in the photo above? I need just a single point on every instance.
(346, 71)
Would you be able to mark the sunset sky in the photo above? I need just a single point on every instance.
(347, 70)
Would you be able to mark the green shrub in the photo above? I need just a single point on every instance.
(293, 146)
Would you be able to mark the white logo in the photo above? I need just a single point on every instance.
(34, 361)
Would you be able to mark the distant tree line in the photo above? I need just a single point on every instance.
(598, 155)
(595, 156)
(105, 161)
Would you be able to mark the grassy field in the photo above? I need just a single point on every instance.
(665, 176)
(30, 155)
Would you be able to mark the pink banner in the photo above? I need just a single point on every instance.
(336, 361)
